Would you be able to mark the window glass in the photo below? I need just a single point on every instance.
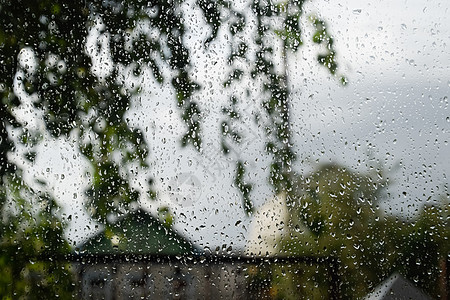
(235, 149)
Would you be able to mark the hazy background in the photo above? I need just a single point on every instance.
(393, 113)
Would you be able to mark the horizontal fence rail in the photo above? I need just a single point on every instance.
(120, 276)
(145, 258)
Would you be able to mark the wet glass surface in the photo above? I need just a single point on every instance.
(235, 149)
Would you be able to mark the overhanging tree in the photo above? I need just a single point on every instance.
(74, 101)
(59, 79)
(276, 33)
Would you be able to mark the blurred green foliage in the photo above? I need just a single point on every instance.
(31, 234)
(337, 207)
(77, 101)
(44, 57)
(334, 212)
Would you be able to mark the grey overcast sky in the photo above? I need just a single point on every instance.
(394, 112)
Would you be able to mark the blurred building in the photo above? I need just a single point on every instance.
(268, 226)
(397, 287)
(139, 258)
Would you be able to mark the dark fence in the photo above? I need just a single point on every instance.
(128, 276)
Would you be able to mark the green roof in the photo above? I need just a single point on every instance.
(138, 233)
